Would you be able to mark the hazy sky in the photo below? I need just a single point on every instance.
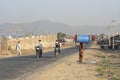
(71, 12)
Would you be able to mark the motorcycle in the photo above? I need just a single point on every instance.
(57, 52)
(38, 51)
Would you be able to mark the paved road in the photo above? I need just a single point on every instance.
(14, 67)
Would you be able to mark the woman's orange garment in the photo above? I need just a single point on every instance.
(81, 52)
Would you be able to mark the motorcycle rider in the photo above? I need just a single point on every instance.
(57, 45)
(38, 48)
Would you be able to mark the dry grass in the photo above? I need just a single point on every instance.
(109, 66)
(10, 52)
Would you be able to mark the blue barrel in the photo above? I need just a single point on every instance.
(83, 38)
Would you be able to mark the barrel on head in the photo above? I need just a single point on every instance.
(83, 38)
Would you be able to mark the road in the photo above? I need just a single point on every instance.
(14, 67)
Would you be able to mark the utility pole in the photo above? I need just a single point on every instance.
(109, 35)
(113, 30)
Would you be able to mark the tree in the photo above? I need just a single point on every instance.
(29, 34)
(61, 36)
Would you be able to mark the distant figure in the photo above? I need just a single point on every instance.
(18, 48)
(93, 37)
(75, 39)
(80, 52)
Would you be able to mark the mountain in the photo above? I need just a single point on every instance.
(37, 28)
(47, 27)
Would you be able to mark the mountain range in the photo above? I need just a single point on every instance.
(37, 28)
(45, 27)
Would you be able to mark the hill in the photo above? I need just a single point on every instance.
(37, 27)
(47, 27)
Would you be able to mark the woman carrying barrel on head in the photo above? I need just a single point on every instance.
(81, 39)
(80, 52)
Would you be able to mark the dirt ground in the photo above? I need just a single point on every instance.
(70, 69)
(97, 64)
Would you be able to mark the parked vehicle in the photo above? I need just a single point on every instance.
(110, 43)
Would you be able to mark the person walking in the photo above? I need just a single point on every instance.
(18, 48)
(80, 52)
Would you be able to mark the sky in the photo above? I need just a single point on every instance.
(71, 12)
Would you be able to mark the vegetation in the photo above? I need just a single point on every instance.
(109, 67)
(29, 34)
(61, 36)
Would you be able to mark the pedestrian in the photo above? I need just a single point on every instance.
(18, 48)
(80, 52)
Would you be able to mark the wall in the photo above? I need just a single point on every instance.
(3, 43)
(28, 43)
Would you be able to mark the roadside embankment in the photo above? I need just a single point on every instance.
(11, 53)
(70, 69)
